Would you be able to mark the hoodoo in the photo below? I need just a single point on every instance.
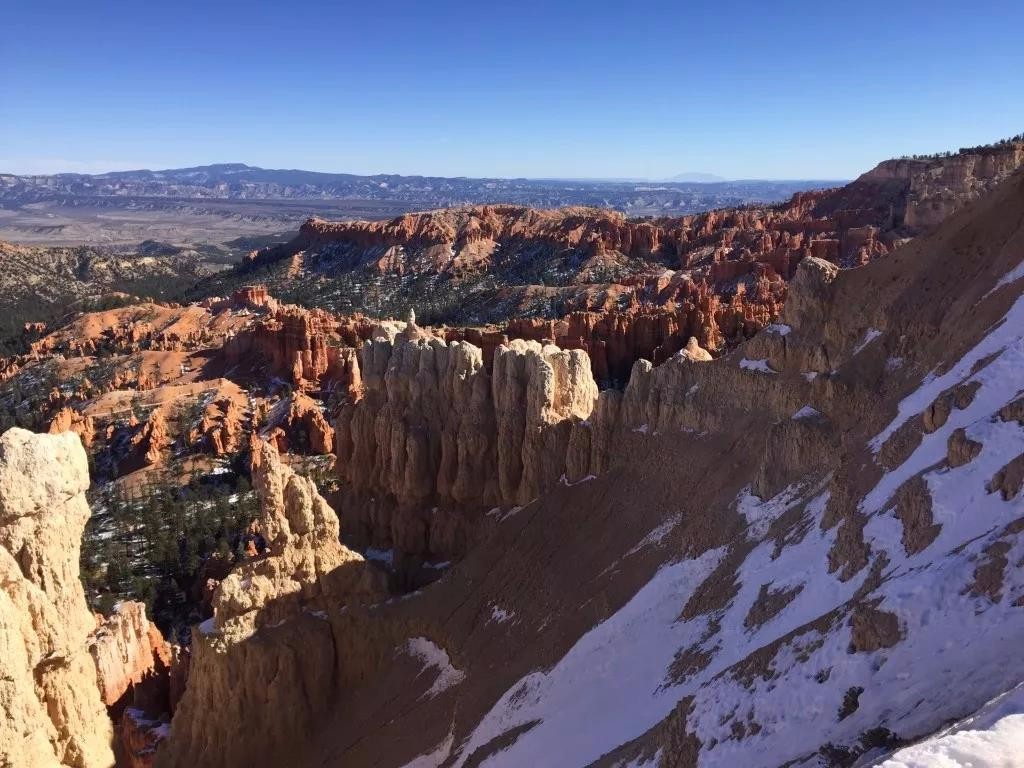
(270, 659)
(53, 714)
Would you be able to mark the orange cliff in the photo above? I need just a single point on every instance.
(778, 236)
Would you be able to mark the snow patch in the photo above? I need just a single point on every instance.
(806, 413)
(499, 614)
(501, 514)
(435, 657)
(513, 511)
(565, 481)
(384, 556)
(761, 366)
(1012, 276)
(761, 514)
(1004, 339)
(869, 336)
(779, 329)
(436, 758)
(992, 738)
(657, 534)
(640, 762)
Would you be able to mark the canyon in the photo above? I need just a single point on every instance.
(720, 584)
(697, 497)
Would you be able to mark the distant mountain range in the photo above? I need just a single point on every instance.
(685, 193)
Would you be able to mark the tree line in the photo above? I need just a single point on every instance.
(158, 543)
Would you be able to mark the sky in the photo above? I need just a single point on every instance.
(597, 89)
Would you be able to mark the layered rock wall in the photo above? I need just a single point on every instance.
(435, 426)
(922, 193)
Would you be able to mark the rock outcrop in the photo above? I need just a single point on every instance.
(298, 424)
(141, 677)
(130, 652)
(266, 663)
(933, 188)
(152, 441)
(223, 427)
(53, 714)
(303, 542)
(435, 427)
(70, 420)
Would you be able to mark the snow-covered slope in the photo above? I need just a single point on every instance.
(991, 738)
(881, 650)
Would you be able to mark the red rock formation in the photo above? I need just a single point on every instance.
(299, 424)
(70, 420)
(301, 346)
(616, 339)
(254, 297)
(127, 330)
(222, 427)
(141, 679)
(153, 440)
(140, 737)
(132, 658)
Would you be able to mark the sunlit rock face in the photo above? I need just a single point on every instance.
(53, 713)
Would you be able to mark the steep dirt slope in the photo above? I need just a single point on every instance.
(805, 552)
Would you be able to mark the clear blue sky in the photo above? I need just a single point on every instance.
(821, 89)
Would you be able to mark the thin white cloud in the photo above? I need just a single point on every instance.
(50, 165)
